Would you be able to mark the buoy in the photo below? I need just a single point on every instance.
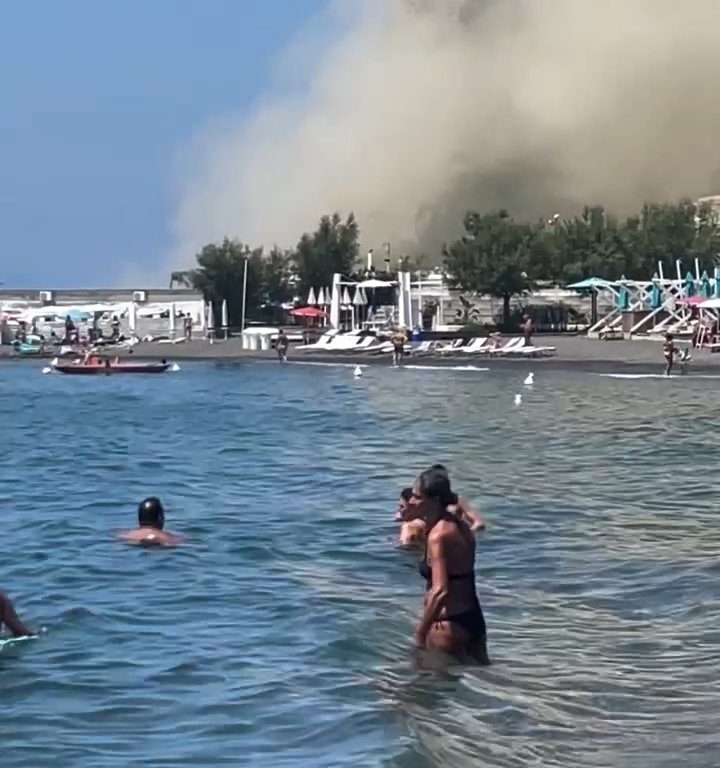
(357, 371)
(529, 379)
(518, 399)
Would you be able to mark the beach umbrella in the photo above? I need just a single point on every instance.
(689, 284)
(363, 295)
(132, 316)
(589, 284)
(705, 288)
(321, 297)
(346, 298)
(307, 312)
(656, 295)
(311, 298)
(224, 317)
(358, 302)
(623, 300)
(328, 297)
(171, 320)
(210, 318)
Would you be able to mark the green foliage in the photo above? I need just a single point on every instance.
(494, 256)
(333, 247)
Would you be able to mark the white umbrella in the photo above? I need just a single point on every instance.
(172, 320)
(321, 297)
(363, 295)
(132, 316)
(311, 298)
(358, 298)
(346, 298)
(224, 315)
(211, 320)
(328, 296)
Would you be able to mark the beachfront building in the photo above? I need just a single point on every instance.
(151, 312)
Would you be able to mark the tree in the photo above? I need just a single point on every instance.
(493, 257)
(332, 248)
(220, 274)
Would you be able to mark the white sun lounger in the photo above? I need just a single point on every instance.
(509, 347)
(321, 343)
(476, 346)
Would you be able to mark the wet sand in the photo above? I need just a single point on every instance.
(573, 353)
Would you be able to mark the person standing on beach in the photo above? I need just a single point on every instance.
(9, 618)
(281, 345)
(398, 340)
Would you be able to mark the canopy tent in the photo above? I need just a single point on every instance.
(374, 283)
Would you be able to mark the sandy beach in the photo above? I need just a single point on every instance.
(573, 353)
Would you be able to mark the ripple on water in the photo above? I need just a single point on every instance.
(280, 635)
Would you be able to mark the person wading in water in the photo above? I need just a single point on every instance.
(452, 619)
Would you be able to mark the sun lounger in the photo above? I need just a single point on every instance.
(509, 347)
(478, 345)
(321, 343)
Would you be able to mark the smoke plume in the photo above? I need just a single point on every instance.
(423, 109)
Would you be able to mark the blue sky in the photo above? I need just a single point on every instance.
(98, 100)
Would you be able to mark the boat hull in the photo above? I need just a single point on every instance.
(110, 370)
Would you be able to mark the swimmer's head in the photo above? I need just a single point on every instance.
(151, 513)
(406, 494)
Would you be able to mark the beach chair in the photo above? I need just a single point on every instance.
(321, 343)
(508, 348)
(450, 349)
(477, 346)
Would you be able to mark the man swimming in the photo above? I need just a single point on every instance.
(412, 530)
(10, 619)
(149, 533)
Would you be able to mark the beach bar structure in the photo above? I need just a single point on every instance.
(659, 305)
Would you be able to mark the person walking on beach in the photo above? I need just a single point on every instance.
(669, 351)
(527, 329)
(9, 618)
(187, 326)
(452, 619)
(398, 340)
(281, 345)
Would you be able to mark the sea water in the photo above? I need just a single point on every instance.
(279, 635)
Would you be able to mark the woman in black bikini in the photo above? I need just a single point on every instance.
(452, 619)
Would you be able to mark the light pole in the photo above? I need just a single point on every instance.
(245, 270)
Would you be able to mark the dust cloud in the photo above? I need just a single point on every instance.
(420, 110)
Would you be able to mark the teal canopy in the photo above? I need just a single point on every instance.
(656, 294)
(623, 299)
(689, 284)
(589, 284)
(705, 288)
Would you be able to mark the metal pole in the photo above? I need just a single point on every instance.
(242, 323)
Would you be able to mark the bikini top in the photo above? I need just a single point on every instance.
(425, 570)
